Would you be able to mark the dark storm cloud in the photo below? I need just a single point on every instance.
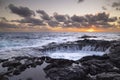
(104, 8)
(80, 1)
(76, 24)
(21, 11)
(118, 9)
(53, 23)
(112, 19)
(67, 25)
(31, 21)
(99, 20)
(4, 23)
(27, 14)
(60, 18)
(43, 14)
(7, 25)
(116, 4)
(78, 18)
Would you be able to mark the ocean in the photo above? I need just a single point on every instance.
(22, 43)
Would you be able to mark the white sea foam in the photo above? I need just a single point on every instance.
(74, 55)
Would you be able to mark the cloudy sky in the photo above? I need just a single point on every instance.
(60, 15)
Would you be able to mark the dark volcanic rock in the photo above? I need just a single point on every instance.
(16, 72)
(108, 76)
(58, 63)
(98, 64)
(21, 57)
(10, 68)
(66, 73)
(22, 67)
(38, 62)
(115, 54)
(94, 57)
(85, 36)
(3, 60)
(3, 78)
(11, 63)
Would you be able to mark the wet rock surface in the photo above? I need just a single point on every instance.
(86, 36)
(108, 76)
(94, 45)
(106, 67)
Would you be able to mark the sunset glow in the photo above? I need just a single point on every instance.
(90, 30)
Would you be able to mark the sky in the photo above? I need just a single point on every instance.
(59, 15)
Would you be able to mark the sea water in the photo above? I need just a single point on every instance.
(20, 43)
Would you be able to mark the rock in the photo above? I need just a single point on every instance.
(66, 73)
(11, 63)
(21, 57)
(115, 54)
(3, 75)
(22, 67)
(28, 62)
(85, 36)
(38, 62)
(50, 66)
(29, 79)
(49, 60)
(94, 57)
(95, 66)
(3, 78)
(10, 68)
(3, 60)
(108, 76)
(60, 62)
(43, 58)
(16, 72)
(33, 65)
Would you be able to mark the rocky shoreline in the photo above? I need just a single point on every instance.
(106, 67)
(96, 45)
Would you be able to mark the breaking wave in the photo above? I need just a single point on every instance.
(55, 45)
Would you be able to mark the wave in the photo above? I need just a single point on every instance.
(45, 43)
(19, 40)
(68, 50)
